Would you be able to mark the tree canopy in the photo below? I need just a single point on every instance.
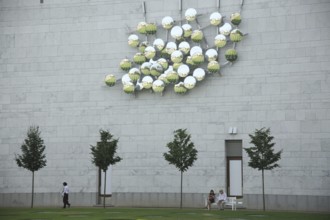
(262, 156)
(104, 153)
(33, 157)
(182, 152)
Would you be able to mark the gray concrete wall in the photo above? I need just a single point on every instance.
(54, 57)
(46, 199)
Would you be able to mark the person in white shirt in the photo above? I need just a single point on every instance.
(222, 197)
(65, 195)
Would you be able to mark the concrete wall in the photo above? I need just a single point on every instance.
(197, 200)
(46, 199)
(54, 57)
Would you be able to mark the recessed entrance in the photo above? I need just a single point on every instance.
(234, 171)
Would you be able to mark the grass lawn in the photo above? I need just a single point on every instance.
(150, 214)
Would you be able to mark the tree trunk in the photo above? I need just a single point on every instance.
(263, 190)
(181, 191)
(105, 182)
(32, 189)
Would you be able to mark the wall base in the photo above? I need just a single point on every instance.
(46, 199)
(189, 200)
(288, 202)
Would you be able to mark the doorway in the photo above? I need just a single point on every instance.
(101, 184)
(234, 168)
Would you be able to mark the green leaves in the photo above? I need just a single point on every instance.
(104, 153)
(33, 157)
(262, 156)
(181, 152)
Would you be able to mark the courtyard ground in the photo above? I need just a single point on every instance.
(111, 213)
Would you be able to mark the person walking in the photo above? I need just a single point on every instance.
(65, 195)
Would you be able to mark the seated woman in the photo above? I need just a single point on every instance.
(210, 199)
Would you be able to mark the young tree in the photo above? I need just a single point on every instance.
(262, 156)
(33, 157)
(103, 154)
(182, 153)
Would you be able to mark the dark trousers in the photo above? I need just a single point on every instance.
(66, 200)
